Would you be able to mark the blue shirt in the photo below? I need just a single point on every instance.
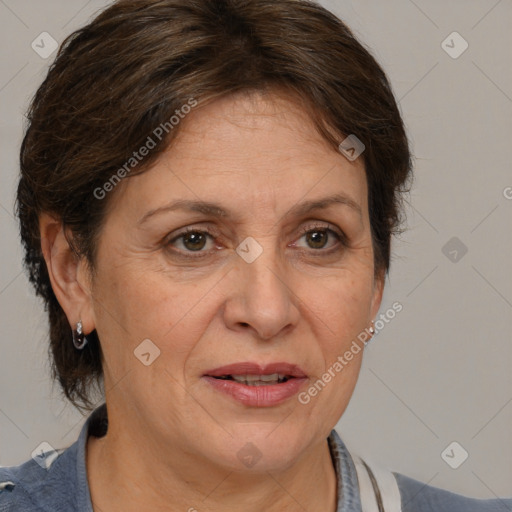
(57, 482)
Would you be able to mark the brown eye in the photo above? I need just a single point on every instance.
(194, 241)
(317, 238)
(190, 241)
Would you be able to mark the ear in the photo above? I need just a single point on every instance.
(69, 274)
(378, 290)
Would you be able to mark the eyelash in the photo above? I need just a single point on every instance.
(342, 240)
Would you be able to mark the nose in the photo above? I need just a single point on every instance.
(263, 299)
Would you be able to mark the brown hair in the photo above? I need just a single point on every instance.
(118, 78)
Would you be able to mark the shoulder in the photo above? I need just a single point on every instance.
(417, 496)
(13, 495)
(383, 489)
(53, 480)
(42, 483)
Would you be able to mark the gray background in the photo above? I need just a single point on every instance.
(440, 371)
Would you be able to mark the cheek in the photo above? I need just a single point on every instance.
(341, 303)
(137, 305)
(338, 310)
(340, 315)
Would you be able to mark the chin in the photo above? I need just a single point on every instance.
(261, 446)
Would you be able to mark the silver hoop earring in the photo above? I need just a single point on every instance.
(79, 339)
(371, 329)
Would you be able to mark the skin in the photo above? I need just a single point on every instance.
(172, 441)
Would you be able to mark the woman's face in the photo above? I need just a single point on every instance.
(261, 278)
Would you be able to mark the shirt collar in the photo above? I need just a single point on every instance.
(346, 476)
(96, 425)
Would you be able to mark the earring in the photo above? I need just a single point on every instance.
(79, 339)
(372, 329)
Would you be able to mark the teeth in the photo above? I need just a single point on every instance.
(259, 380)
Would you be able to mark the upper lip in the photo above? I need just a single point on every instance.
(249, 368)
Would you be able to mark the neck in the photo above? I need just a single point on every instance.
(131, 473)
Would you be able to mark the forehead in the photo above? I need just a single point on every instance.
(251, 126)
(251, 152)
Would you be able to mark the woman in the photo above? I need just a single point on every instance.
(207, 197)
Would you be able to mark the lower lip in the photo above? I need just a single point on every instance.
(266, 395)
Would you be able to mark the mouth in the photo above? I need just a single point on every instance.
(255, 385)
(255, 374)
(257, 380)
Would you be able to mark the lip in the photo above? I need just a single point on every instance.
(250, 368)
(257, 396)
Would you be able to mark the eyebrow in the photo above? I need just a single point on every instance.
(215, 210)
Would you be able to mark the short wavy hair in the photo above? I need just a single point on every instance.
(126, 72)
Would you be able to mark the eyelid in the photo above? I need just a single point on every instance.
(215, 232)
(194, 229)
(323, 225)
